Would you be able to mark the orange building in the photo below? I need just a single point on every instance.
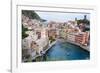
(82, 38)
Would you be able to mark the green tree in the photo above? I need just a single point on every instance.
(23, 32)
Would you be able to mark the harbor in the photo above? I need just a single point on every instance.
(46, 40)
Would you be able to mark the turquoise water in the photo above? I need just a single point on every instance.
(66, 51)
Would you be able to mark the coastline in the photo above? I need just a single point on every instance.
(84, 47)
(61, 40)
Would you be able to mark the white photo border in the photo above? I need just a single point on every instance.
(17, 64)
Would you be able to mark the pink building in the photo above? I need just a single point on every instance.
(82, 38)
